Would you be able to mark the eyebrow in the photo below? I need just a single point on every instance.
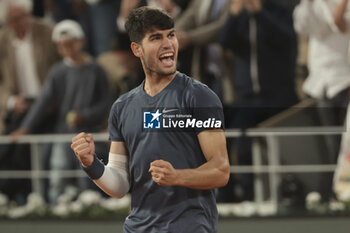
(159, 34)
(154, 35)
(172, 31)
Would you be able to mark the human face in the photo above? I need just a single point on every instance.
(158, 52)
(70, 48)
(19, 20)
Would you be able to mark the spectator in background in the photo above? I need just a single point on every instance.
(2, 12)
(26, 55)
(171, 7)
(125, 8)
(77, 89)
(327, 25)
(98, 21)
(57, 10)
(123, 69)
(261, 36)
(97, 18)
(198, 27)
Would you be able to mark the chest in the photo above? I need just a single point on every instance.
(143, 119)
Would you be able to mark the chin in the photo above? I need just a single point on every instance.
(168, 73)
(170, 70)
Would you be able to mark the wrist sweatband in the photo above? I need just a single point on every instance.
(95, 170)
(115, 178)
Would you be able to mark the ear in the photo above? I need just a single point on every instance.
(136, 49)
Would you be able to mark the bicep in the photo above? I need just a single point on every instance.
(118, 147)
(213, 145)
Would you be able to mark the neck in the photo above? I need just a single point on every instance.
(20, 35)
(79, 59)
(155, 84)
(76, 61)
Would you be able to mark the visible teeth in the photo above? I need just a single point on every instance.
(166, 55)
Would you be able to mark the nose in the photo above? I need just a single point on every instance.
(167, 43)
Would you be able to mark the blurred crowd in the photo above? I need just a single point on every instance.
(64, 62)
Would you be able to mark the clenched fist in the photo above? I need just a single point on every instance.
(84, 148)
(163, 173)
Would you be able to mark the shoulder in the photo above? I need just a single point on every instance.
(189, 84)
(201, 95)
(126, 98)
(58, 67)
(58, 70)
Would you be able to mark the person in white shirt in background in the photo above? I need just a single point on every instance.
(327, 24)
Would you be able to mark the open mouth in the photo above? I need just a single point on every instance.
(167, 59)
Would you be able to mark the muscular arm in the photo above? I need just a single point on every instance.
(212, 174)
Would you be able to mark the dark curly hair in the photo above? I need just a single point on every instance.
(145, 19)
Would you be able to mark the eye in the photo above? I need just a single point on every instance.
(155, 38)
(171, 35)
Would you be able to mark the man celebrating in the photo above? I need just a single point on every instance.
(170, 172)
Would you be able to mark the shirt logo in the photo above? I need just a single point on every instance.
(169, 110)
(178, 119)
(152, 120)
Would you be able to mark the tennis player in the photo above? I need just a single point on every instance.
(168, 146)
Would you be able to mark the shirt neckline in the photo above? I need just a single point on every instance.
(161, 93)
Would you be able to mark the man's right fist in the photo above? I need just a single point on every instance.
(84, 148)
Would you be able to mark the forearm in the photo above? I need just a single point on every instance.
(36, 113)
(208, 176)
(208, 33)
(187, 19)
(215, 171)
(113, 179)
(339, 16)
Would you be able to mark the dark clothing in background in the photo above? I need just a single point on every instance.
(81, 88)
(266, 41)
(276, 54)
